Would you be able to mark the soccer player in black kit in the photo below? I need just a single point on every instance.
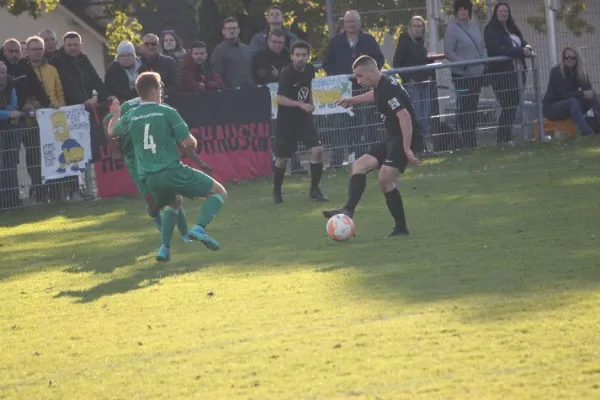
(393, 154)
(295, 121)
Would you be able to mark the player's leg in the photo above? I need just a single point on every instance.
(286, 142)
(182, 224)
(310, 139)
(151, 205)
(358, 179)
(192, 183)
(395, 163)
(170, 216)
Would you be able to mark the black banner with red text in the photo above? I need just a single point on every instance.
(232, 130)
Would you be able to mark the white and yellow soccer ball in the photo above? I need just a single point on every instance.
(340, 228)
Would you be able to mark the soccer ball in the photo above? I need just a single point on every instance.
(340, 227)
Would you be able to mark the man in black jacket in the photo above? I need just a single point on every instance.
(10, 54)
(165, 66)
(77, 74)
(268, 63)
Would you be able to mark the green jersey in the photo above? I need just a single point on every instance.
(155, 129)
(126, 143)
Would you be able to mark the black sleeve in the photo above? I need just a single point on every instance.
(395, 98)
(286, 84)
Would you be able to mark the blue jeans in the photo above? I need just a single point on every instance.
(575, 109)
(421, 97)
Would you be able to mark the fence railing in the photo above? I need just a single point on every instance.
(454, 112)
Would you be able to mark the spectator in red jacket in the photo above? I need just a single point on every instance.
(197, 75)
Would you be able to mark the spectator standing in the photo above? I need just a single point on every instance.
(24, 53)
(10, 54)
(44, 90)
(231, 58)
(50, 42)
(197, 74)
(274, 19)
(463, 42)
(504, 38)
(172, 46)
(570, 93)
(343, 49)
(79, 80)
(268, 63)
(123, 71)
(410, 52)
(165, 66)
(9, 141)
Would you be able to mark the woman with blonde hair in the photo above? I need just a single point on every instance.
(570, 93)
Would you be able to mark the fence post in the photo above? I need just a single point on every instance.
(330, 22)
(551, 30)
(538, 100)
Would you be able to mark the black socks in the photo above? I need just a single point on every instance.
(356, 187)
(396, 207)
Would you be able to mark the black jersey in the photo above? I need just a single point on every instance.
(295, 85)
(391, 97)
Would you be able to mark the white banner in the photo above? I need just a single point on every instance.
(64, 141)
(326, 91)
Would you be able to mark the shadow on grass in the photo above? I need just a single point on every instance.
(509, 230)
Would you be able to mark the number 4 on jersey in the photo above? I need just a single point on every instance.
(149, 140)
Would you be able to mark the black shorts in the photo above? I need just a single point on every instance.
(391, 153)
(288, 135)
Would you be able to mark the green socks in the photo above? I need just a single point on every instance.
(182, 224)
(209, 210)
(170, 218)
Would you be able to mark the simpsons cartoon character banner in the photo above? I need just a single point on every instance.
(64, 140)
(326, 91)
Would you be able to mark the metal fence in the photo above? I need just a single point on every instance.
(547, 25)
(453, 113)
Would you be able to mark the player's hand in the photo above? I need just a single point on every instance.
(309, 108)
(115, 109)
(206, 167)
(411, 157)
(346, 102)
(588, 94)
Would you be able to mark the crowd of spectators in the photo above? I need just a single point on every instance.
(45, 71)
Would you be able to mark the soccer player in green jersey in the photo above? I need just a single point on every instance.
(155, 130)
(126, 148)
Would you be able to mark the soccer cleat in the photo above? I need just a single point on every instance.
(187, 239)
(164, 253)
(399, 232)
(277, 197)
(330, 213)
(316, 194)
(199, 233)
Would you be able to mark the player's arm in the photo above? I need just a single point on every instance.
(405, 121)
(368, 97)
(185, 141)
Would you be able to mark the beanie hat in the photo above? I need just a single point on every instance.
(125, 48)
(466, 4)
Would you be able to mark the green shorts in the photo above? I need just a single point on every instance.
(181, 180)
(139, 184)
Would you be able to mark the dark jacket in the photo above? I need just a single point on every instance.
(263, 63)
(259, 40)
(193, 74)
(562, 87)
(18, 73)
(409, 53)
(118, 83)
(339, 56)
(167, 68)
(498, 43)
(78, 77)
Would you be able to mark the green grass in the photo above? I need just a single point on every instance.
(494, 296)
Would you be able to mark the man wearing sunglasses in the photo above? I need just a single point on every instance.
(165, 66)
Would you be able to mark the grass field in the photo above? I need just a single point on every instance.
(494, 295)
